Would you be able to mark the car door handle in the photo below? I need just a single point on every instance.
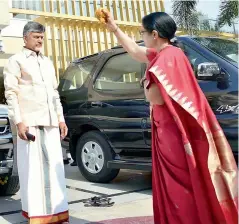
(96, 104)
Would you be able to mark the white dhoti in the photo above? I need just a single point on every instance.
(42, 177)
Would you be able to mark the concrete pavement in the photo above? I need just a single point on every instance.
(131, 192)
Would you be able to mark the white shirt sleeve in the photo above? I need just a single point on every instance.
(11, 73)
(59, 108)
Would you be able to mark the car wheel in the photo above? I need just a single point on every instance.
(10, 187)
(9, 184)
(92, 155)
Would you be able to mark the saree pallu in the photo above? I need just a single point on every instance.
(209, 161)
(42, 177)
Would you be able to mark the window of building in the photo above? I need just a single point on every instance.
(120, 72)
(26, 4)
(75, 76)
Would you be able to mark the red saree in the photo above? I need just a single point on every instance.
(194, 171)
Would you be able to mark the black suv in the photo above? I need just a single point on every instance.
(9, 181)
(107, 113)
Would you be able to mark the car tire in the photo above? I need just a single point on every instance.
(11, 187)
(95, 141)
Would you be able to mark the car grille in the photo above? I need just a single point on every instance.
(4, 125)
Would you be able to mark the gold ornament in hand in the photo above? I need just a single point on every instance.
(102, 15)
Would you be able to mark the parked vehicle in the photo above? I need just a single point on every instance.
(107, 113)
(9, 184)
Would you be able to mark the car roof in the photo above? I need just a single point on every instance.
(78, 60)
(140, 42)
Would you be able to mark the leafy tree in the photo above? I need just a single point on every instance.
(185, 15)
(205, 25)
(216, 27)
(228, 12)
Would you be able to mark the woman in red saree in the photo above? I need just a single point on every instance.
(194, 171)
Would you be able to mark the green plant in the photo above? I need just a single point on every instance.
(185, 15)
(228, 12)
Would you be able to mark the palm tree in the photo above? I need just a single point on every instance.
(185, 15)
(228, 12)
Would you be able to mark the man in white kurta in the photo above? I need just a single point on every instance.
(34, 107)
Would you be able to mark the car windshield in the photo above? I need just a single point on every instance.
(225, 48)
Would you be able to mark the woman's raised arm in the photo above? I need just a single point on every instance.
(135, 51)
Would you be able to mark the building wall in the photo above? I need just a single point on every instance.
(11, 46)
(12, 42)
(11, 37)
(4, 13)
(72, 29)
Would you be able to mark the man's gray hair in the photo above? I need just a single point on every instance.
(33, 27)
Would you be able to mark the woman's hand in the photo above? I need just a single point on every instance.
(110, 22)
(135, 51)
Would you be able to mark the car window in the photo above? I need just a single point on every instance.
(194, 57)
(76, 75)
(227, 49)
(120, 72)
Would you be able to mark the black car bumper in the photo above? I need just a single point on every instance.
(6, 144)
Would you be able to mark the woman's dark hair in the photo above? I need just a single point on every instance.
(160, 22)
(163, 24)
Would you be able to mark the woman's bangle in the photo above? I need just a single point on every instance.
(115, 29)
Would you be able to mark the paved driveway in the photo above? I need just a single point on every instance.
(131, 192)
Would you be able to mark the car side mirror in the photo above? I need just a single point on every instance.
(207, 71)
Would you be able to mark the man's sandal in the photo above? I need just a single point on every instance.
(98, 202)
